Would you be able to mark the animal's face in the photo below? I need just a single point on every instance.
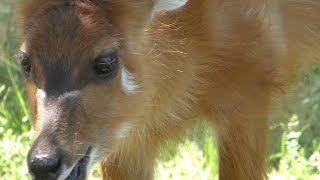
(80, 83)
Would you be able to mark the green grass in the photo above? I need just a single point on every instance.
(196, 158)
(295, 134)
(15, 128)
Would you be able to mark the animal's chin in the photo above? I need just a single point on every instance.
(79, 171)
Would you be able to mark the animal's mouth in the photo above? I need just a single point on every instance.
(79, 171)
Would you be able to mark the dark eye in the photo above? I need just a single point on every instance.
(25, 64)
(106, 65)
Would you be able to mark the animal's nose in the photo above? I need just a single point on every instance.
(44, 166)
(44, 159)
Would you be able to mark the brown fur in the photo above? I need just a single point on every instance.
(224, 60)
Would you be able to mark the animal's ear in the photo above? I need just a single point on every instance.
(167, 5)
(26, 11)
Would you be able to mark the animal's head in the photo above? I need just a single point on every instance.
(80, 78)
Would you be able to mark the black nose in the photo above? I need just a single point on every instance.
(44, 160)
(44, 166)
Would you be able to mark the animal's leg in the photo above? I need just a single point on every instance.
(242, 152)
(242, 130)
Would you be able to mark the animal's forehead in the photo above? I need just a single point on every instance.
(68, 31)
(62, 38)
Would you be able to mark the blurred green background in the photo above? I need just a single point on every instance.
(294, 139)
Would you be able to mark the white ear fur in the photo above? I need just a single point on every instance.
(169, 5)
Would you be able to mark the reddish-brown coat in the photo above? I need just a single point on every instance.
(223, 60)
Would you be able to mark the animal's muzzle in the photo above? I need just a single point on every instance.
(44, 160)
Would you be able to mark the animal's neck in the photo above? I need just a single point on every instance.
(168, 73)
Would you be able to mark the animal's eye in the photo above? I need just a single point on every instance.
(25, 64)
(106, 65)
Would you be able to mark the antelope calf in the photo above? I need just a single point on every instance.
(111, 80)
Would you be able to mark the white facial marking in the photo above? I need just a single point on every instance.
(41, 94)
(124, 130)
(127, 82)
(71, 94)
(23, 47)
(41, 107)
(48, 109)
(168, 5)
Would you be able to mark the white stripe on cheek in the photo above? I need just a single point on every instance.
(127, 82)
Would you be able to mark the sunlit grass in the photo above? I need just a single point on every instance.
(191, 160)
(13, 150)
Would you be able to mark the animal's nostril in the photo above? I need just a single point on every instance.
(44, 166)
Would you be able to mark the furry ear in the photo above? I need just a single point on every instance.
(128, 14)
(167, 5)
(27, 9)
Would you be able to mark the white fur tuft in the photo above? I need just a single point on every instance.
(128, 84)
(70, 94)
(168, 5)
(41, 94)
